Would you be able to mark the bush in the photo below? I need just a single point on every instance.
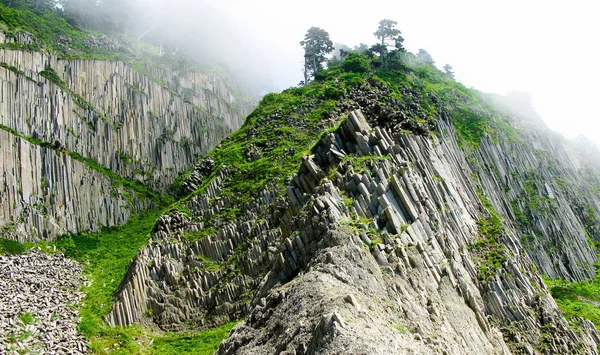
(470, 126)
(333, 93)
(356, 63)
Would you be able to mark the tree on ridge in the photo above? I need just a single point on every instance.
(317, 45)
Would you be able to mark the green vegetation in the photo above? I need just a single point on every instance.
(470, 126)
(13, 247)
(533, 201)
(27, 318)
(401, 328)
(355, 64)
(105, 257)
(203, 343)
(581, 299)
(490, 254)
(51, 75)
(48, 27)
(537, 203)
(361, 164)
(317, 45)
(210, 264)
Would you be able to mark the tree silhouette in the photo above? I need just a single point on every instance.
(425, 57)
(387, 32)
(448, 71)
(316, 45)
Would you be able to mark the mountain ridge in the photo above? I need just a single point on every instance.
(168, 266)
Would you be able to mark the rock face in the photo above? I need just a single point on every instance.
(144, 125)
(386, 255)
(37, 294)
(46, 193)
(543, 195)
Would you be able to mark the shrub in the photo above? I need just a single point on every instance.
(356, 63)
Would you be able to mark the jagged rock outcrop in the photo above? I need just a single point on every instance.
(414, 204)
(146, 125)
(202, 170)
(177, 283)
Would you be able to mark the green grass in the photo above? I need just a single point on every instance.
(401, 328)
(473, 115)
(202, 343)
(572, 297)
(105, 257)
(52, 75)
(8, 246)
(470, 126)
(46, 27)
(27, 318)
(490, 254)
(293, 130)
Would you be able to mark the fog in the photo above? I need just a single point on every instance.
(545, 48)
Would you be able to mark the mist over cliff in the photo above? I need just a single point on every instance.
(258, 43)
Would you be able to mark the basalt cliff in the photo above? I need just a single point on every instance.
(86, 143)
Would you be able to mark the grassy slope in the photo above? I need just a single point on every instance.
(46, 27)
(203, 343)
(12, 247)
(296, 122)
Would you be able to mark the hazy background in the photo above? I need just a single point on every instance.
(546, 48)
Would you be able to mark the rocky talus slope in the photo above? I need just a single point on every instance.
(38, 292)
(383, 242)
(85, 143)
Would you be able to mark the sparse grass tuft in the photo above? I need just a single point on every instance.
(27, 318)
(8, 246)
(489, 253)
(581, 299)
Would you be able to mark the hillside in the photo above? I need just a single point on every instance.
(377, 210)
(381, 208)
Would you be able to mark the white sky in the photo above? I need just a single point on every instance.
(549, 49)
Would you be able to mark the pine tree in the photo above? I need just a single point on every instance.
(425, 57)
(386, 32)
(316, 46)
(448, 71)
